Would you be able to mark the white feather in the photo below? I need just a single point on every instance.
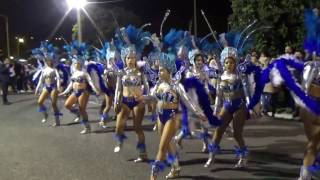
(275, 77)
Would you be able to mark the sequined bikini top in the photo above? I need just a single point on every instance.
(230, 83)
(132, 77)
(169, 94)
(49, 74)
(79, 77)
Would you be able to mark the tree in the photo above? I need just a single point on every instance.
(285, 16)
(103, 24)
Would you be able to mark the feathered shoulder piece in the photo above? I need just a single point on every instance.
(132, 40)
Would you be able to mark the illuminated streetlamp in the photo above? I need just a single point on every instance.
(78, 4)
(20, 41)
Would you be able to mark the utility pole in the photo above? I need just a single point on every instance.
(7, 33)
(195, 17)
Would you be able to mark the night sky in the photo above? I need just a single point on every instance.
(38, 18)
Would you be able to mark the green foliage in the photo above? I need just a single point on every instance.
(285, 16)
(75, 30)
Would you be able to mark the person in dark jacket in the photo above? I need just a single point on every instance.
(4, 79)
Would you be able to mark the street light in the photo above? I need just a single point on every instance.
(20, 41)
(7, 33)
(78, 4)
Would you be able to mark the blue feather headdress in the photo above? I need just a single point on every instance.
(131, 40)
(236, 44)
(46, 51)
(99, 55)
(111, 51)
(312, 39)
(185, 43)
(310, 20)
(77, 51)
(155, 54)
(207, 47)
(203, 47)
(178, 42)
(168, 61)
(229, 42)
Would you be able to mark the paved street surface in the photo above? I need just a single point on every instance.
(30, 150)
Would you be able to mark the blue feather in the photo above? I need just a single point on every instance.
(292, 85)
(296, 64)
(136, 37)
(260, 83)
(171, 38)
(203, 98)
(310, 20)
(99, 71)
(185, 121)
(64, 69)
(36, 76)
(263, 78)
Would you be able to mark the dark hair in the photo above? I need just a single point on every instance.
(301, 51)
(266, 53)
(199, 55)
(229, 57)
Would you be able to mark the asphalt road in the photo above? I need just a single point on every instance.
(30, 150)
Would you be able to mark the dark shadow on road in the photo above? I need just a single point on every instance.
(223, 151)
(276, 132)
(265, 157)
(202, 161)
(267, 172)
(212, 178)
(259, 164)
(196, 177)
(111, 129)
(284, 146)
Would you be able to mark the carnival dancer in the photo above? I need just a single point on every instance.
(131, 83)
(111, 56)
(49, 80)
(198, 73)
(280, 73)
(80, 82)
(197, 83)
(151, 69)
(232, 101)
(179, 43)
(168, 94)
(311, 121)
(311, 85)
